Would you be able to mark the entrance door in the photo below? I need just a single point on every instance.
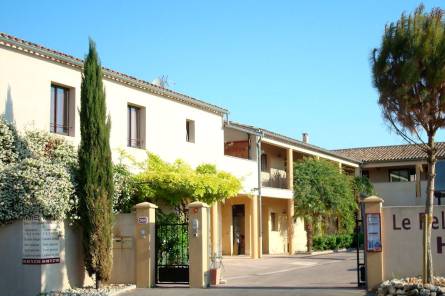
(239, 237)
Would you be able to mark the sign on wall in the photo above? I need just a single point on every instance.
(41, 241)
(143, 220)
(416, 222)
(402, 234)
(373, 233)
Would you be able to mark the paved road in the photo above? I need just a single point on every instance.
(332, 274)
(244, 292)
(330, 270)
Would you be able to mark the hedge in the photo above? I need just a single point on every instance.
(333, 242)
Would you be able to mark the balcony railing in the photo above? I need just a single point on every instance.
(275, 179)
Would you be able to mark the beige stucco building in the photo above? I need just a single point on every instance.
(40, 89)
(399, 172)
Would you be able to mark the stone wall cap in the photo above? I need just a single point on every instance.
(145, 204)
(198, 204)
(373, 198)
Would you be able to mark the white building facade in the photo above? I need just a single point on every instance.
(40, 89)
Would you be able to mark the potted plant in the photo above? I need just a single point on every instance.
(215, 269)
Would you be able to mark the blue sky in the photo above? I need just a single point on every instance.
(288, 66)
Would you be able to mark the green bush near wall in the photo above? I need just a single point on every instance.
(333, 242)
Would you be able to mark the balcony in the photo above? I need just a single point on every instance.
(275, 179)
(245, 169)
(400, 193)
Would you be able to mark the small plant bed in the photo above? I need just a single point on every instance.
(109, 290)
(412, 286)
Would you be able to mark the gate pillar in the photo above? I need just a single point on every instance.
(374, 259)
(145, 244)
(199, 218)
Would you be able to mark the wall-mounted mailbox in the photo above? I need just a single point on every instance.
(195, 227)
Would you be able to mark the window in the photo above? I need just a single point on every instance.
(60, 110)
(402, 175)
(273, 221)
(440, 176)
(365, 173)
(264, 162)
(135, 127)
(190, 131)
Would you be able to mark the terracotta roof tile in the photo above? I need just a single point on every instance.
(389, 153)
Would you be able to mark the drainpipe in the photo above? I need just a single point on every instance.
(260, 209)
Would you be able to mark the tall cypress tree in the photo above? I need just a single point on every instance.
(95, 171)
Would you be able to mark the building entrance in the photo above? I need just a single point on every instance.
(239, 235)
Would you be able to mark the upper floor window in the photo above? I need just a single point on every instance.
(60, 113)
(135, 127)
(440, 176)
(190, 131)
(402, 175)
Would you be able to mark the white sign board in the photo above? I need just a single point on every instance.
(143, 220)
(41, 242)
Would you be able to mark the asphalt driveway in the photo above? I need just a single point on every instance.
(321, 275)
(336, 270)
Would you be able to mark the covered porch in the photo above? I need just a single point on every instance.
(236, 227)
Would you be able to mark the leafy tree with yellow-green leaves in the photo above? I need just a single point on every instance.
(178, 183)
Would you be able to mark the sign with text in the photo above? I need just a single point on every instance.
(143, 220)
(373, 233)
(402, 237)
(41, 241)
(407, 223)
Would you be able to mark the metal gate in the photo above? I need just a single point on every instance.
(172, 253)
(360, 247)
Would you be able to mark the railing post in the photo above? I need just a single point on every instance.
(374, 259)
(199, 245)
(145, 245)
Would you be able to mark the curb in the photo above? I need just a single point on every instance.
(323, 252)
(126, 289)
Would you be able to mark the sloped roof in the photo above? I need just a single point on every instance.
(12, 42)
(291, 141)
(408, 152)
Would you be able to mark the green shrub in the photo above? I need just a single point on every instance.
(124, 189)
(333, 242)
(36, 175)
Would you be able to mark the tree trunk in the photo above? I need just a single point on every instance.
(309, 234)
(428, 217)
(98, 282)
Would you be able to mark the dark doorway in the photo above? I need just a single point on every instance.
(239, 236)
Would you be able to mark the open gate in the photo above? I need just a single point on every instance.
(172, 254)
(360, 248)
